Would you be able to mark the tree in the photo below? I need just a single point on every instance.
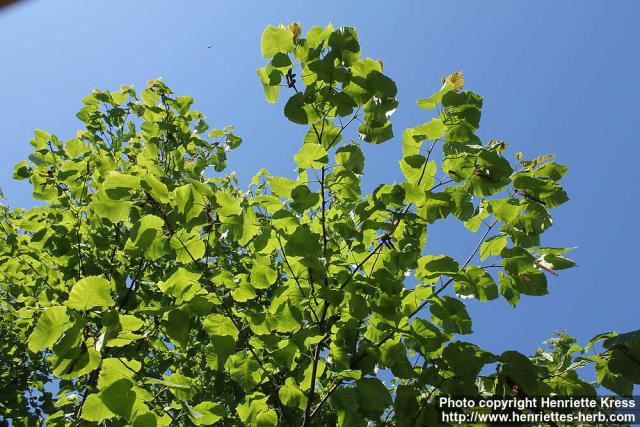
(149, 289)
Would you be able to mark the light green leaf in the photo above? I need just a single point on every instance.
(351, 158)
(206, 413)
(281, 186)
(188, 246)
(275, 40)
(155, 188)
(270, 85)
(262, 276)
(416, 171)
(180, 386)
(53, 322)
(120, 186)
(291, 395)
(433, 129)
(303, 243)
(311, 156)
(433, 100)
(148, 235)
(229, 205)
(182, 284)
(114, 210)
(245, 371)
(188, 202)
(115, 369)
(218, 325)
(431, 267)
(90, 292)
(493, 246)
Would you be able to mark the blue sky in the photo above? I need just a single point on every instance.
(557, 77)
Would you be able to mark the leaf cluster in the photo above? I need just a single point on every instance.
(152, 290)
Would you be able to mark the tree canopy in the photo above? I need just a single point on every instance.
(148, 288)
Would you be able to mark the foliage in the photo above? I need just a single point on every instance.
(149, 289)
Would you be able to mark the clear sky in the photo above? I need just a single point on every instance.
(556, 76)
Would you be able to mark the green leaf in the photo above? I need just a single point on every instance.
(431, 267)
(318, 36)
(611, 380)
(431, 102)
(627, 338)
(474, 281)
(490, 175)
(90, 292)
(351, 158)
(417, 171)
(21, 170)
(219, 351)
(552, 170)
(451, 315)
(155, 188)
(505, 210)
(229, 205)
(282, 187)
(115, 369)
(303, 198)
(275, 40)
(373, 396)
(206, 413)
(433, 129)
(346, 402)
(406, 404)
(466, 359)
(556, 262)
(188, 202)
(149, 97)
(438, 206)
(148, 235)
(262, 276)
(303, 243)
(180, 386)
(394, 356)
(520, 370)
(311, 156)
(299, 109)
(178, 327)
(624, 361)
(375, 134)
(461, 204)
(245, 371)
(114, 210)
(493, 246)
(94, 409)
(326, 134)
(344, 42)
(250, 226)
(540, 190)
(254, 411)
(120, 186)
(517, 260)
(218, 325)
(291, 395)
(183, 284)
(270, 84)
(508, 289)
(53, 322)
